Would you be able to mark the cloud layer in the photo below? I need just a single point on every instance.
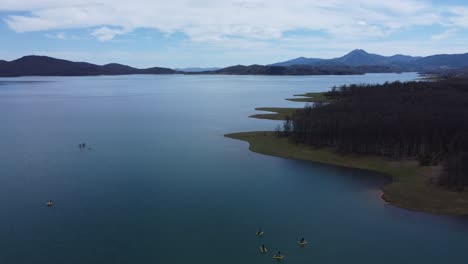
(182, 33)
(214, 20)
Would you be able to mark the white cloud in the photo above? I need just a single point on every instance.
(362, 23)
(214, 20)
(444, 35)
(59, 35)
(460, 16)
(105, 33)
(225, 52)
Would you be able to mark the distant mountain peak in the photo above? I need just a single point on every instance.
(360, 57)
(34, 57)
(114, 64)
(358, 51)
(39, 59)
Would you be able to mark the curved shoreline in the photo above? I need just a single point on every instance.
(410, 188)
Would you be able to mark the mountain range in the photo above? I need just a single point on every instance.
(356, 62)
(47, 66)
(396, 63)
(291, 70)
(197, 69)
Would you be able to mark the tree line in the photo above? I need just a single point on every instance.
(423, 120)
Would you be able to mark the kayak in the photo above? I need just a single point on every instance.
(263, 250)
(302, 243)
(260, 233)
(278, 257)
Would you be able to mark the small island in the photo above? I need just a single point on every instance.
(415, 132)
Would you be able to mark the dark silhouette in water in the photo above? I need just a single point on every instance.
(278, 256)
(260, 232)
(302, 242)
(83, 146)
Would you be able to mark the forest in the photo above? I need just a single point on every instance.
(419, 120)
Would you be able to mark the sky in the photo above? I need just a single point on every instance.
(218, 33)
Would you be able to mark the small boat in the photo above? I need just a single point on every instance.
(302, 242)
(278, 257)
(50, 203)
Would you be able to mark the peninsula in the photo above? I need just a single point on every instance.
(348, 127)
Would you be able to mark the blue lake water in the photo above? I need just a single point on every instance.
(162, 185)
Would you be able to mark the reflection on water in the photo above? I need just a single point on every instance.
(21, 82)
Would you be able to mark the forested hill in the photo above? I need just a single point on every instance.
(402, 63)
(47, 66)
(298, 70)
(417, 120)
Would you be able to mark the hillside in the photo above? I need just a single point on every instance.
(47, 66)
(280, 70)
(445, 61)
(399, 62)
(197, 69)
(298, 61)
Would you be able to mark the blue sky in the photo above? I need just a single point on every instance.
(204, 33)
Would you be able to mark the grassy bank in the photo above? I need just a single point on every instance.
(310, 98)
(278, 113)
(410, 188)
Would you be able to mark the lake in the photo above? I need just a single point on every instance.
(160, 183)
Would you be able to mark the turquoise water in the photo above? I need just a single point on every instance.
(162, 185)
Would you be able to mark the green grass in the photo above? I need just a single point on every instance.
(409, 189)
(310, 98)
(279, 113)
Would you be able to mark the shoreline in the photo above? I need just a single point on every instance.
(409, 189)
(275, 113)
(280, 113)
